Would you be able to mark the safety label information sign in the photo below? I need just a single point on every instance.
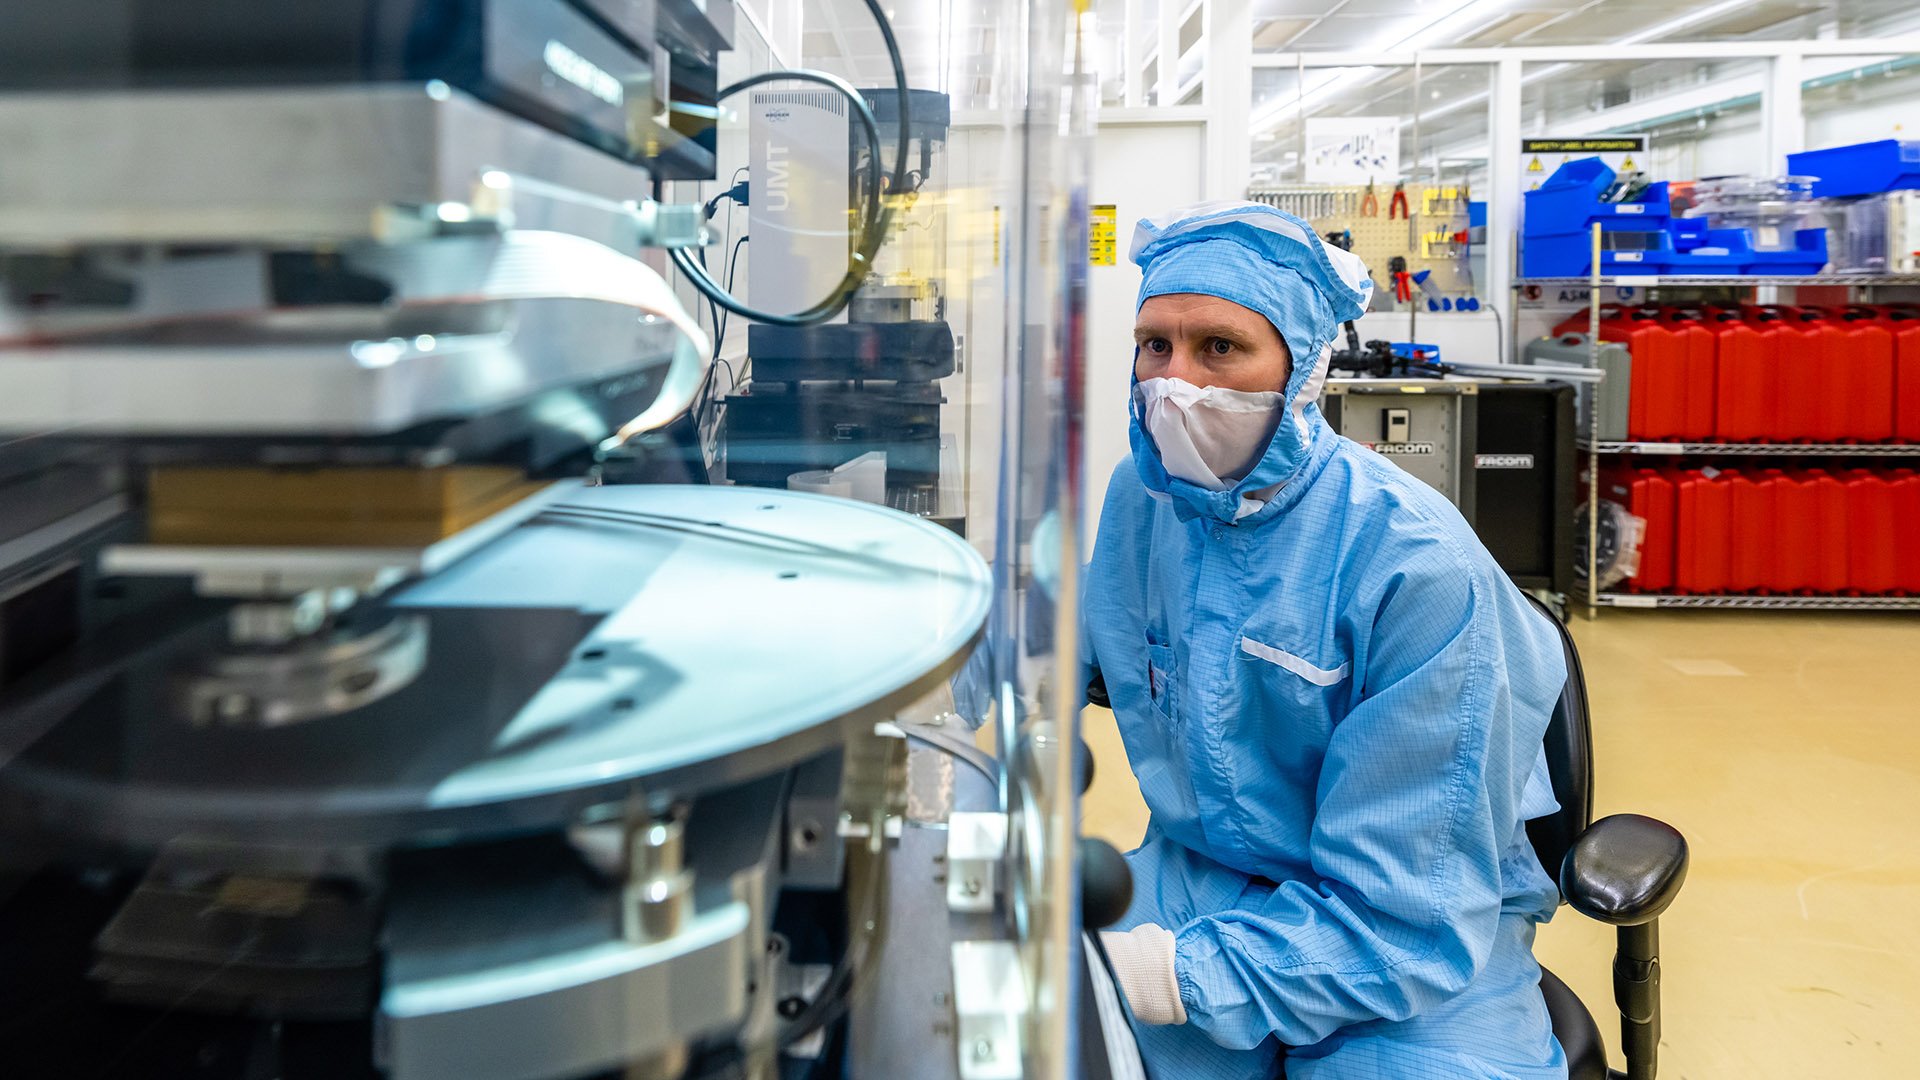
(1103, 223)
(1618, 145)
(1540, 157)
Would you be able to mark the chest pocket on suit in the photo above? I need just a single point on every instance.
(1306, 669)
(1161, 679)
(1303, 691)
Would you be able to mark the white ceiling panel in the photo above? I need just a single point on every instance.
(1291, 9)
(1272, 34)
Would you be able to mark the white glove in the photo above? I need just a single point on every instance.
(1143, 966)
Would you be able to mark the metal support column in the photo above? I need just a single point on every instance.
(1503, 182)
(1133, 53)
(1782, 125)
(1593, 431)
(1167, 77)
(1229, 98)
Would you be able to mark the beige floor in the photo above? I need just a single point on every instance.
(1786, 747)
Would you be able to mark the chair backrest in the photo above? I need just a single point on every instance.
(1569, 746)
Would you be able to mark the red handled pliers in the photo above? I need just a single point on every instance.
(1369, 205)
(1397, 206)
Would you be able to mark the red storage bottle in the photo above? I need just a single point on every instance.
(1872, 564)
(1904, 325)
(1657, 395)
(1906, 529)
(1866, 366)
(1793, 534)
(1750, 542)
(1699, 367)
(1649, 496)
(1702, 526)
(1580, 321)
(1825, 498)
(1831, 379)
(1748, 371)
(1809, 405)
(1653, 500)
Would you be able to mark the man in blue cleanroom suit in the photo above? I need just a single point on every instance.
(1332, 697)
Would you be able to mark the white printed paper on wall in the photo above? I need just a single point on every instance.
(1353, 149)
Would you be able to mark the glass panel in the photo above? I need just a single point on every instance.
(1374, 26)
(1436, 121)
(1702, 117)
(444, 592)
(1866, 98)
(1629, 22)
(1379, 26)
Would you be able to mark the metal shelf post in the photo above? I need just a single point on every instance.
(1593, 430)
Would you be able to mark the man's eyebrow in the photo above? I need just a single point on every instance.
(1222, 330)
(1234, 334)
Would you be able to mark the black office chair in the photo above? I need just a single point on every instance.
(1622, 870)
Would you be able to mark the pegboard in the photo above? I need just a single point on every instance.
(1377, 240)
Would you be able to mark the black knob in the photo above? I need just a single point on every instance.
(1097, 690)
(1106, 884)
(1084, 764)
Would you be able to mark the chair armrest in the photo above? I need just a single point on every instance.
(1624, 869)
(1097, 689)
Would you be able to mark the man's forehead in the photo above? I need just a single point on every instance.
(1178, 305)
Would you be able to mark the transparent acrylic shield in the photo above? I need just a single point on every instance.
(388, 491)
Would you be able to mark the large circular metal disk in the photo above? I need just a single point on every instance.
(672, 640)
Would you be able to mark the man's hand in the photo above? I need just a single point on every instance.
(1143, 966)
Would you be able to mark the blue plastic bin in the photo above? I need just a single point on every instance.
(1726, 252)
(1709, 253)
(1688, 233)
(1571, 255)
(1867, 168)
(1808, 257)
(1569, 202)
(1556, 233)
(1557, 237)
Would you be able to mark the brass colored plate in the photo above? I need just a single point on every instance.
(375, 507)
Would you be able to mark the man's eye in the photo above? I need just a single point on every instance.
(1157, 346)
(1220, 346)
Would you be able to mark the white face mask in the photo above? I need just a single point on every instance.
(1209, 436)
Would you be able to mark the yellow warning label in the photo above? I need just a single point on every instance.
(1102, 229)
(1535, 166)
(1627, 165)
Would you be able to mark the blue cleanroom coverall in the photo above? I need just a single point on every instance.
(1334, 702)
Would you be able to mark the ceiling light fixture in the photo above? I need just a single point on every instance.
(1652, 33)
(1655, 32)
(1448, 23)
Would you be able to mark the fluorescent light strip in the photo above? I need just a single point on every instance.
(1441, 25)
(1652, 33)
(1679, 23)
